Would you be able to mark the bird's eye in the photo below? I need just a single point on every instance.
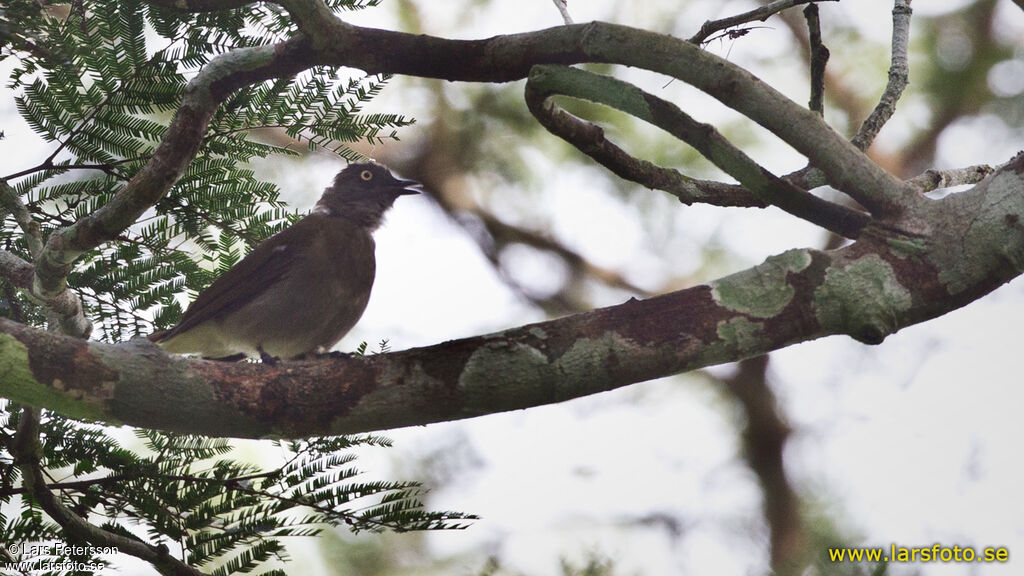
(366, 175)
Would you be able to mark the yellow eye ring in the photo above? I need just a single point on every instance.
(366, 175)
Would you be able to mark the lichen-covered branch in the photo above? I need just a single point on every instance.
(884, 281)
(935, 179)
(899, 76)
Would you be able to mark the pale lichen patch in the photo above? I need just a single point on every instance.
(741, 334)
(863, 299)
(21, 385)
(761, 291)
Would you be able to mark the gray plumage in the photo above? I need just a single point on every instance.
(301, 290)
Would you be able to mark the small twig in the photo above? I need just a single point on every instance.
(935, 179)
(819, 58)
(563, 8)
(899, 76)
(761, 14)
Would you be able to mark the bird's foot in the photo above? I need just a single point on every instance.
(267, 358)
(233, 358)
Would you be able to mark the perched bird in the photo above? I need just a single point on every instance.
(302, 289)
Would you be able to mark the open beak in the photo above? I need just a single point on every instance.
(406, 186)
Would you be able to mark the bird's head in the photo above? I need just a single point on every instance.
(363, 192)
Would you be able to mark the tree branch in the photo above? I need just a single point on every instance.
(818, 57)
(899, 75)
(546, 81)
(761, 14)
(509, 57)
(65, 304)
(936, 179)
(884, 281)
(329, 41)
(563, 9)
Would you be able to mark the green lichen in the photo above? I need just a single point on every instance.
(863, 299)
(991, 243)
(907, 247)
(741, 334)
(761, 291)
(20, 385)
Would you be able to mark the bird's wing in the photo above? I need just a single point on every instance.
(264, 266)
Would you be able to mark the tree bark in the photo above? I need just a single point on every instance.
(884, 281)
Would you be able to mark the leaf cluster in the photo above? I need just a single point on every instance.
(101, 87)
(221, 515)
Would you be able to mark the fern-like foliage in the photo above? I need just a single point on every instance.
(98, 80)
(89, 82)
(220, 515)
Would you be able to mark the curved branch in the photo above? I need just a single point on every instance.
(510, 57)
(326, 40)
(547, 81)
(65, 304)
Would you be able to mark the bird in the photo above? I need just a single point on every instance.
(301, 290)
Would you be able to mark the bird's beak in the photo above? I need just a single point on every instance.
(403, 187)
(407, 186)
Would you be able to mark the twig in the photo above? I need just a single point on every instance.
(899, 76)
(761, 14)
(563, 8)
(545, 81)
(935, 179)
(819, 58)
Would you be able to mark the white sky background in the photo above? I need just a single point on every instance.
(915, 441)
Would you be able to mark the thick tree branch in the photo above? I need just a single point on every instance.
(329, 41)
(884, 281)
(546, 81)
(899, 75)
(64, 304)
